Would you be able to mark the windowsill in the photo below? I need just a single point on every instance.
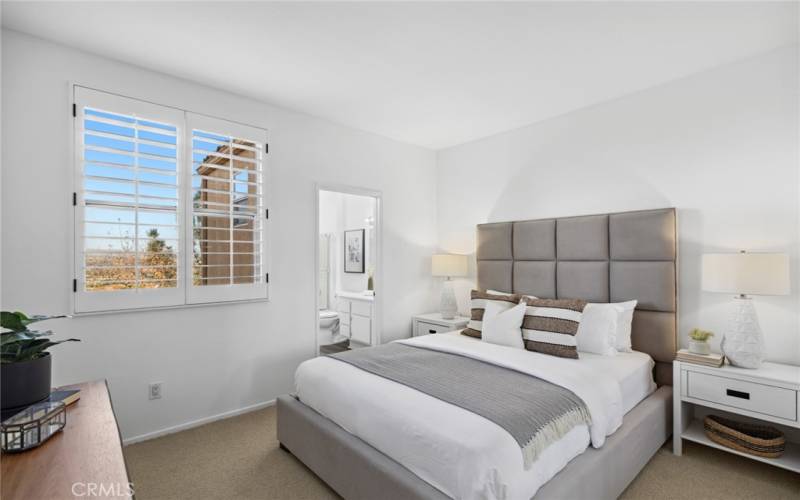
(169, 308)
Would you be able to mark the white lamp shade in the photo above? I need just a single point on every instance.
(746, 273)
(450, 265)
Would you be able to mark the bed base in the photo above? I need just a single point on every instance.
(358, 471)
(354, 469)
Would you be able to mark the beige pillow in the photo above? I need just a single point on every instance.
(550, 326)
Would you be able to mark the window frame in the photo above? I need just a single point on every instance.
(184, 294)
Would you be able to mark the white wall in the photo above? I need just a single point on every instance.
(721, 146)
(330, 212)
(355, 210)
(217, 358)
(340, 212)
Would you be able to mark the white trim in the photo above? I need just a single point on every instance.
(169, 308)
(73, 212)
(377, 303)
(196, 423)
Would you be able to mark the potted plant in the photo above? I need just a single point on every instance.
(24, 361)
(698, 341)
(370, 280)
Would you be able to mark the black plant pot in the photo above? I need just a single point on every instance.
(24, 384)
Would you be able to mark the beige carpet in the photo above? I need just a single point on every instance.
(240, 458)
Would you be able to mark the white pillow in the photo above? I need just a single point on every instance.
(597, 331)
(501, 326)
(624, 325)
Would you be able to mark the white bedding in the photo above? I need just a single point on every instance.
(460, 453)
(632, 370)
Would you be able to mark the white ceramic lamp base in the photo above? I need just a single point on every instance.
(743, 342)
(448, 305)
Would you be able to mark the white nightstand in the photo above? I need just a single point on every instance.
(434, 323)
(769, 394)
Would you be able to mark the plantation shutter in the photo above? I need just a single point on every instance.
(128, 241)
(227, 213)
(170, 206)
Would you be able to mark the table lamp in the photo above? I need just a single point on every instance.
(745, 274)
(448, 266)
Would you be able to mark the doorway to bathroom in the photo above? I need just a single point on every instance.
(348, 268)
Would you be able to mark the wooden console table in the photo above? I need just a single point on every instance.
(83, 460)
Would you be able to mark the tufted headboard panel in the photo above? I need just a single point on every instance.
(599, 258)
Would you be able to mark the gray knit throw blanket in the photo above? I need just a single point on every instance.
(535, 412)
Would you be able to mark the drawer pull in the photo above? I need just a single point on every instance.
(738, 394)
(431, 331)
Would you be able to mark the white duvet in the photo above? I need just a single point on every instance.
(460, 453)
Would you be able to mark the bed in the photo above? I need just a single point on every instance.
(369, 437)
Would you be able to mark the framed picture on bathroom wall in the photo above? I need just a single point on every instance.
(354, 251)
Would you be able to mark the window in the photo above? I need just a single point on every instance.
(169, 206)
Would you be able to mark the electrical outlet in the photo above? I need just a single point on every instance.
(155, 390)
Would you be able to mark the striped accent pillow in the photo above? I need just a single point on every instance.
(478, 304)
(550, 325)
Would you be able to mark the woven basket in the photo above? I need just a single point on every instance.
(759, 440)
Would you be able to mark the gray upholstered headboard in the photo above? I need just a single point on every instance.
(599, 258)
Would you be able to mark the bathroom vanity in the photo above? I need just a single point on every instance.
(356, 317)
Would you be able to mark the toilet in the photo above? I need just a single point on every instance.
(328, 320)
(329, 332)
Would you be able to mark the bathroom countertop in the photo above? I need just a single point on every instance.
(355, 296)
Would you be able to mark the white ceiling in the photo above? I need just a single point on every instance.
(435, 75)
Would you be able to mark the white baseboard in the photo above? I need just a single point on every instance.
(196, 423)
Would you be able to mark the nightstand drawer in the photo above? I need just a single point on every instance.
(424, 328)
(766, 399)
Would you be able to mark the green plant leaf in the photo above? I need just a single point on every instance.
(700, 335)
(12, 336)
(12, 320)
(20, 344)
(18, 321)
(25, 335)
(31, 350)
(11, 351)
(37, 348)
(39, 317)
